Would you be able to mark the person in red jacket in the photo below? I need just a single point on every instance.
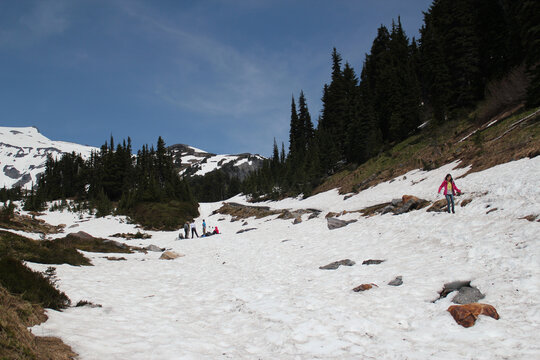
(450, 190)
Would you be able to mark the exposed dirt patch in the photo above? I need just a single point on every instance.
(241, 212)
(31, 224)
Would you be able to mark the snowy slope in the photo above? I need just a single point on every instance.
(256, 296)
(196, 162)
(23, 152)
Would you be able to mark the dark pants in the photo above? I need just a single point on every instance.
(450, 201)
(194, 231)
(187, 233)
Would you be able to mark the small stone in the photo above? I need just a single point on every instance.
(363, 287)
(397, 281)
(245, 230)
(372, 262)
(336, 264)
(297, 220)
(170, 255)
(154, 248)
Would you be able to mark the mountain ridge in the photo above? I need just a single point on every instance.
(24, 151)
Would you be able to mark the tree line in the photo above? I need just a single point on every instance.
(114, 179)
(464, 46)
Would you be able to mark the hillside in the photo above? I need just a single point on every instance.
(24, 151)
(511, 135)
(196, 162)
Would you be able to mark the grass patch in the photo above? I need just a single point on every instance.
(43, 252)
(164, 216)
(90, 244)
(30, 285)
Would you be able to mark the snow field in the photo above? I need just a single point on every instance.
(253, 295)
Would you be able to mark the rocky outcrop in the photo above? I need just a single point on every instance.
(396, 206)
(240, 212)
(466, 315)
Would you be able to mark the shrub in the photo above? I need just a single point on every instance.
(31, 285)
(164, 216)
(44, 252)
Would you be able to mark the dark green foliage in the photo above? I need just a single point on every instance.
(164, 215)
(12, 194)
(114, 177)
(7, 212)
(44, 252)
(215, 186)
(31, 285)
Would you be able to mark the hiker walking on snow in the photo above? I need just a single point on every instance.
(193, 230)
(203, 227)
(450, 190)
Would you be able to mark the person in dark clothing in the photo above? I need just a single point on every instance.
(186, 230)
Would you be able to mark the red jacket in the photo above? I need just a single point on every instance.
(454, 187)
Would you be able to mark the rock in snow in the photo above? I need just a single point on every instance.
(334, 223)
(397, 281)
(336, 264)
(170, 255)
(363, 287)
(372, 262)
(467, 295)
(466, 315)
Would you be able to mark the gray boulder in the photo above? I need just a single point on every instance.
(334, 223)
(397, 281)
(467, 295)
(154, 248)
(336, 264)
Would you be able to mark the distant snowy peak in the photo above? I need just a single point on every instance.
(196, 162)
(24, 151)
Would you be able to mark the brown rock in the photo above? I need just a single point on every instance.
(363, 287)
(170, 255)
(466, 315)
(406, 198)
(465, 202)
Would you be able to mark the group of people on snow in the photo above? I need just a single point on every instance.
(448, 185)
(191, 227)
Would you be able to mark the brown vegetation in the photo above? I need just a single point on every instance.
(503, 138)
(16, 341)
(30, 224)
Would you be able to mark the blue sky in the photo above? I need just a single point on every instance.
(215, 74)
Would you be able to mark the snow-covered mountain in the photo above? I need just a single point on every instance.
(196, 162)
(24, 151)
